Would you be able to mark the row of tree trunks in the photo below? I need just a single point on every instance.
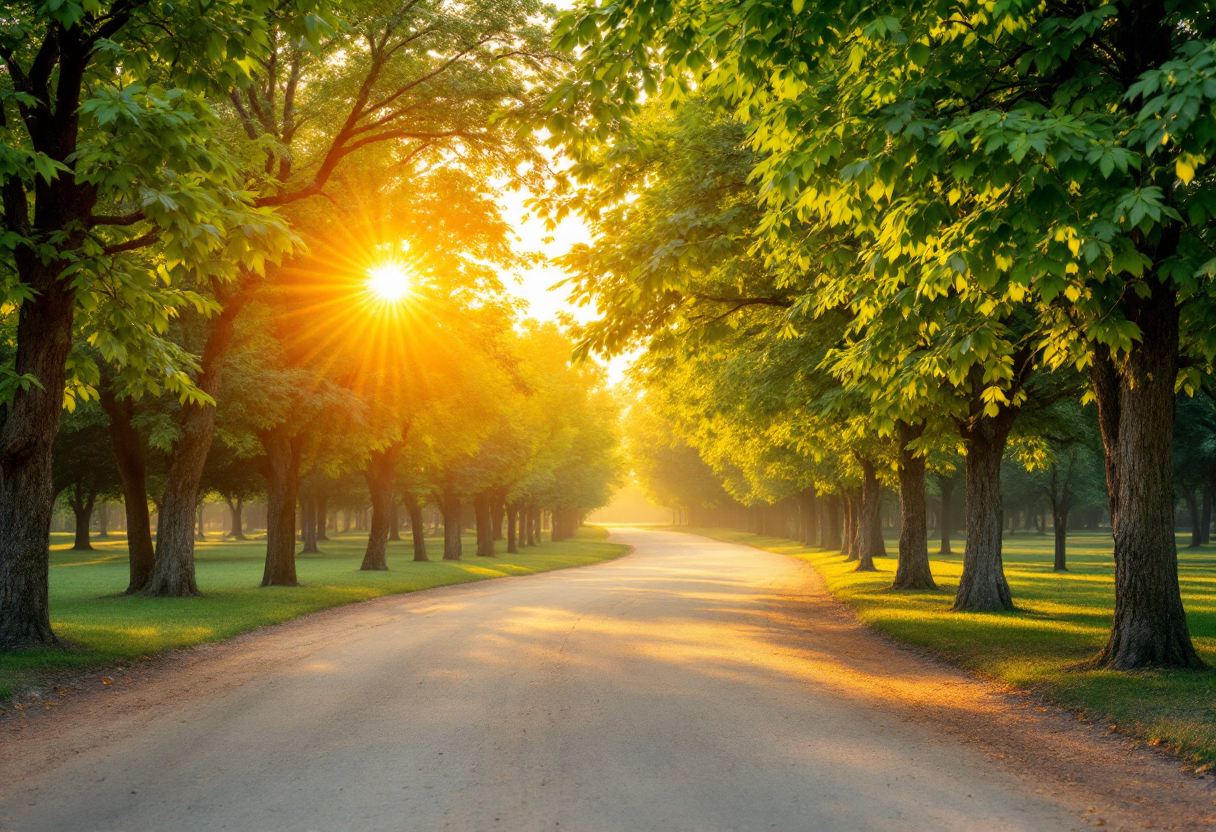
(912, 570)
(830, 538)
(565, 523)
(808, 517)
(282, 477)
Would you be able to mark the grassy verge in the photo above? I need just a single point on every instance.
(103, 626)
(1061, 620)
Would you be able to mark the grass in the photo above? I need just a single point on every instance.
(103, 626)
(1061, 621)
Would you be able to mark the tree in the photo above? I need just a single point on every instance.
(82, 468)
(112, 170)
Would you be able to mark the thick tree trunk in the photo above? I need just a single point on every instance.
(983, 586)
(869, 520)
(485, 525)
(831, 536)
(82, 509)
(1060, 521)
(380, 471)
(497, 510)
(946, 521)
(512, 525)
(453, 516)
(236, 511)
(173, 570)
(1192, 508)
(417, 526)
(1135, 397)
(27, 437)
(282, 482)
(912, 571)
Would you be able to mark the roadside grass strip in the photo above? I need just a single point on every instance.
(100, 626)
(1061, 621)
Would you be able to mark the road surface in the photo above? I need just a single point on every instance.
(692, 685)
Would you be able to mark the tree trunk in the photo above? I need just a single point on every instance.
(201, 534)
(808, 512)
(394, 529)
(485, 525)
(173, 569)
(27, 437)
(103, 519)
(380, 471)
(1059, 518)
(417, 526)
(453, 516)
(1136, 413)
(848, 547)
(82, 508)
(497, 509)
(128, 449)
(831, 533)
(310, 521)
(869, 520)
(322, 515)
(946, 521)
(982, 586)
(282, 481)
(512, 520)
(912, 571)
(236, 510)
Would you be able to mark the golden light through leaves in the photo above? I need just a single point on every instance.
(389, 281)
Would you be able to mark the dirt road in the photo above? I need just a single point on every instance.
(693, 685)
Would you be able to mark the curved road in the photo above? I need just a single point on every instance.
(673, 689)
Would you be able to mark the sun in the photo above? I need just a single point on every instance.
(389, 281)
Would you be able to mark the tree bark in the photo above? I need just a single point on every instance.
(869, 520)
(82, 509)
(485, 525)
(512, 524)
(322, 514)
(380, 472)
(983, 586)
(913, 570)
(282, 482)
(417, 526)
(103, 519)
(808, 512)
(201, 534)
(946, 521)
(173, 569)
(848, 546)
(1135, 396)
(1060, 521)
(236, 511)
(394, 530)
(831, 535)
(27, 437)
(497, 510)
(452, 510)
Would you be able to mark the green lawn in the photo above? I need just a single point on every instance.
(1061, 620)
(102, 626)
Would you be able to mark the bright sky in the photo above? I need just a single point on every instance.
(544, 302)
